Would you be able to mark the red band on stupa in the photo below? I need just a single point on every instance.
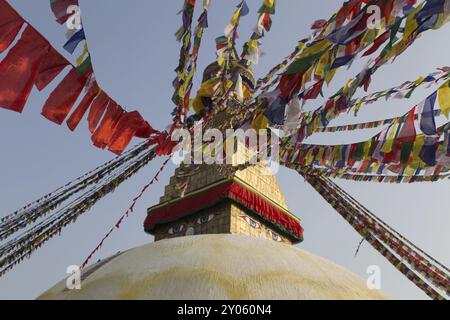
(171, 211)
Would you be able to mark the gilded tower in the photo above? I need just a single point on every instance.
(224, 199)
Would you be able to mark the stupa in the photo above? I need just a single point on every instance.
(221, 232)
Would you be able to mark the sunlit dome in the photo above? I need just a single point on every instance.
(216, 267)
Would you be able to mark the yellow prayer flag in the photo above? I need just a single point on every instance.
(338, 153)
(235, 17)
(418, 144)
(419, 80)
(367, 145)
(308, 74)
(309, 157)
(269, 3)
(330, 75)
(260, 122)
(320, 70)
(319, 156)
(411, 22)
(316, 48)
(444, 98)
(206, 90)
(220, 60)
(83, 54)
(410, 170)
(375, 167)
(389, 143)
(347, 87)
(253, 45)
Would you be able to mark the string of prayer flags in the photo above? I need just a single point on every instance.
(403, 91)
(35, 210)
(397, 147)
(405, 256)
(68, 12)
(187, 68)
(384, 178)
(320, 28)
(125, 215)
(339, 103)
(180, 82)
(21, 247)
(32, 61)
(262, 83)
(309, 59)
(187, 14)
(316, 37)
(367, 222)
(251, 51)
(241, 11)
(226, 43)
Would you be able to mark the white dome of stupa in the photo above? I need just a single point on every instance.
(222, 266)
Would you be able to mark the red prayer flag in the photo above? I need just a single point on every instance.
(131, 124)
(145, 130)
(19, 69)
(59, 8)
(84, 105)
(387, 11)
(97, 110)
(266, 21)
(367, 82)
(10, 25)
(50, 68)
(319, 24)
(407, 133)
(378, 42)
(290, 84)
(62, 99)
(346, 11)
(102, 136)
(314, 91)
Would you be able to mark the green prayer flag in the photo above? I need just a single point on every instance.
(302, 65)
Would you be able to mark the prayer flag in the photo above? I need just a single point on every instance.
(50, 68)
(62, 99)
(73, 42)
(427, 121)
(19, 69)
(10, 25)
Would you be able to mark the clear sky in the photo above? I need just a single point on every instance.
(134, 53)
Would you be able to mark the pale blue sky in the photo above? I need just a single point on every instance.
(134, 53)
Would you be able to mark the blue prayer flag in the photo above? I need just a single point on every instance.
(427, 121)
(73, 42)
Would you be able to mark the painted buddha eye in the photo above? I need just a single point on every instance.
(252, 223)
(275, 236)
(205, 219)
(176, 229)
